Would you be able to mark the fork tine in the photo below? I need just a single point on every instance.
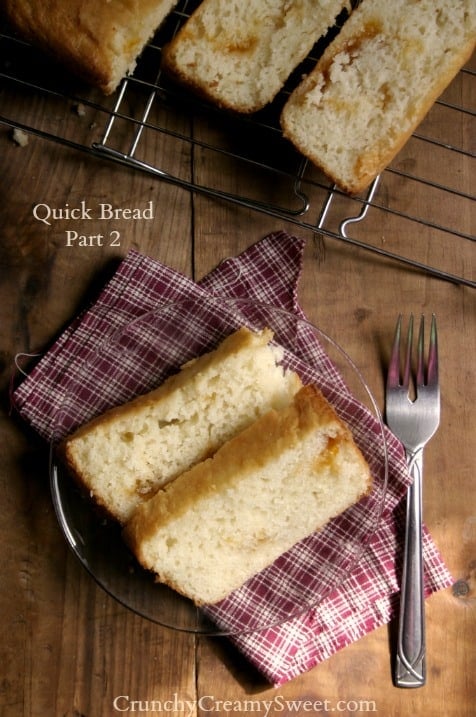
(432, 363)
(393, 375)
(408, 355)
(420, 375)
(432, 378)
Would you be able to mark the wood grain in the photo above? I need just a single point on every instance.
(67, 648)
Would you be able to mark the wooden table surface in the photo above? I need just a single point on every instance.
(67, 648)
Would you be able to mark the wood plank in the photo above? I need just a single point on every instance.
(67, 647)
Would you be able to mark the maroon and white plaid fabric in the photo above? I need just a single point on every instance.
(74, 381)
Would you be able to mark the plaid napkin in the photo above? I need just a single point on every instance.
(73, 382)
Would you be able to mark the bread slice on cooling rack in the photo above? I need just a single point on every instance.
(374, 84)
(99, 41)
(239, 54)
(270, 486)
(123, 456)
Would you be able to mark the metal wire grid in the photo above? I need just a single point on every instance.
(134, 128)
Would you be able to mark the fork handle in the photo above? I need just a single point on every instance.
(410, 669)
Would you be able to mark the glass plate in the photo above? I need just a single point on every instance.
(136, 359)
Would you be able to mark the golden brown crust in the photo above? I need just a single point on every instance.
(98, 41)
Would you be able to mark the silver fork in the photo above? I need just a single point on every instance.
(413, 415)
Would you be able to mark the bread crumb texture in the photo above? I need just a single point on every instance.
(239, 54)
(19, 137)
(233, 514)
(126, 454)
(375, 82)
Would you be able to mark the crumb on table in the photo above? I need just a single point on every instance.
(19, 137)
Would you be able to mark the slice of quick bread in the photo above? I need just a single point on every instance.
(374, 84)
(240, 54)
(123, 456)
(99, 41)
(270, 486)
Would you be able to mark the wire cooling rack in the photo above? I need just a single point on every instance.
(423, 202)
